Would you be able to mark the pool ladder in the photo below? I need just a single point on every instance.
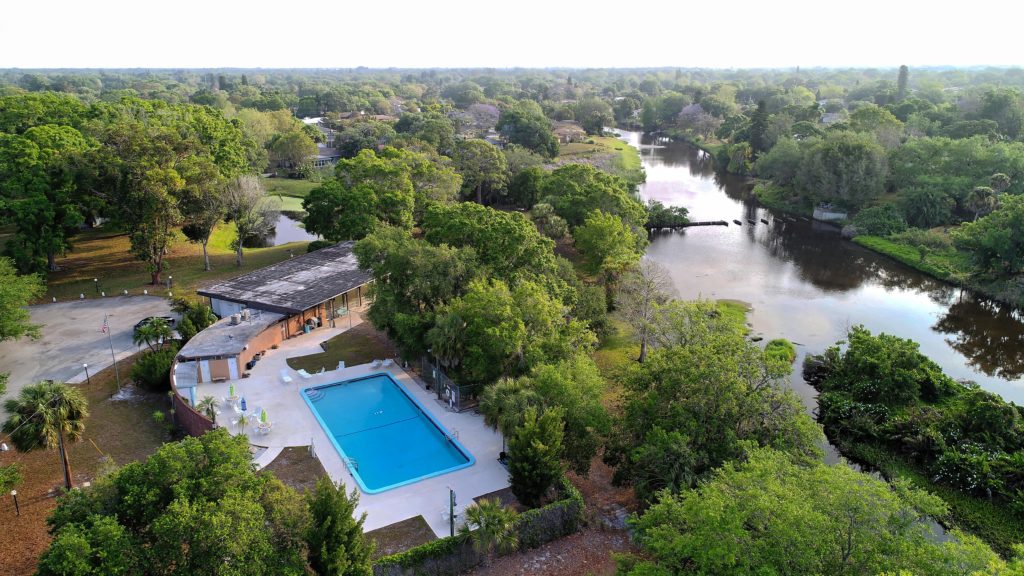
(353, 465)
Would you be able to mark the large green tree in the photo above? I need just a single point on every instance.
(845, 168)
(482, 166)
(996, 241)
(535, 452)
(528, 127)
(506, 242)
(607, 243)
(16, 293)
(769, 515)
(194, 507)
(369, 191)
(41, 194)
(412, 281)
(575, 190)
(47, 415)
(337, 546)
(698, 401)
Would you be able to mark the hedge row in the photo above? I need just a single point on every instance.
(455, 554)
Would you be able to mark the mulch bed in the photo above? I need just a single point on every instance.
(297, 468)
(119, 430)
(400, 536)
(585, 553)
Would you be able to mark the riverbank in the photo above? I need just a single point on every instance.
(951, 266)
(993, 522)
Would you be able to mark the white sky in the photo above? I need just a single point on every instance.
(527, 33)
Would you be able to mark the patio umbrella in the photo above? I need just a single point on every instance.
(263, 415)
(231, 390)
(243, 403)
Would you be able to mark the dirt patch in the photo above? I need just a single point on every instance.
(504, 496)
(605, 501)
(116, 432)
(585, 553)
(297, 468)
(400, 536)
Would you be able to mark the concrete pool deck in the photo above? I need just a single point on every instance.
(295, 425)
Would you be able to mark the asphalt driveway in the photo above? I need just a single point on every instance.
(71, 337)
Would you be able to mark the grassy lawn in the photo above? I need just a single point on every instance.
(288, 187)
(297, 468)
(103, 254)
(605, 152)
(117, 431)
(400, 536)
(937, 264)
(288, 203)
(359, 345)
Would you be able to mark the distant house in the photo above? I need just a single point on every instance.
(326, 156)
(568, 132)
(384, 118)
(832, 117)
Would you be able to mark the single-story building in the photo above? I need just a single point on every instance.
(567, 132)
(267, 306)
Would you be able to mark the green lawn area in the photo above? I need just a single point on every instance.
(624, 159)
(288, 203)
(359, 345)
(939, 264)
(104, 254)
(288, 187)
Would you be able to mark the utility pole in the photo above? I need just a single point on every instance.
(113, 357)
(451, 509)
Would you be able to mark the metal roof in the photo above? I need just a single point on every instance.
(296, 284)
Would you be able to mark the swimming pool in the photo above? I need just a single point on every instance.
(386, 437)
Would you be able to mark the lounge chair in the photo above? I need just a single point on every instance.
(322, 370)
(387, 363)
(302, 372)
(376, 364)
(341, 365)
(285, 377)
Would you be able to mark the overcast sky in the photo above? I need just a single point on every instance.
(527, 33)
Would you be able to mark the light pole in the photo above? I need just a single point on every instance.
(451, 509)
(17, 509)
(96, 284)
(87, 379)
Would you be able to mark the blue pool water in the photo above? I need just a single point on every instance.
(387, 435)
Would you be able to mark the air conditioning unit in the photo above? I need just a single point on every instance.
(236, 318)
(246, 314)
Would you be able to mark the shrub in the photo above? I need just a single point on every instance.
(153, 370)
(318, 244)
(535, 452)
(880, 221)
(781, 348)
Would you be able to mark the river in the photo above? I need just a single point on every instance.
(808, 285)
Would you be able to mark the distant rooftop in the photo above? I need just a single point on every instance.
(296, 284)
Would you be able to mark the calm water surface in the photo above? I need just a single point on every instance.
(808, 285)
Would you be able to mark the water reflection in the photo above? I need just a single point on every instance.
(989, 334)
(809, 285)
(287, 229)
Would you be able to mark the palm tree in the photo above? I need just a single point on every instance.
(982, 200)
(47, 415)
(504, 403)
(446, 340)
(243, 421)
(155, 330)
(208, 405)
(492, 528)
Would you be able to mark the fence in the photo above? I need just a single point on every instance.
(186, 417)
(456, 555)
(458, 397)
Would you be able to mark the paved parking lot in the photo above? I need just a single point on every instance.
(71, 337)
